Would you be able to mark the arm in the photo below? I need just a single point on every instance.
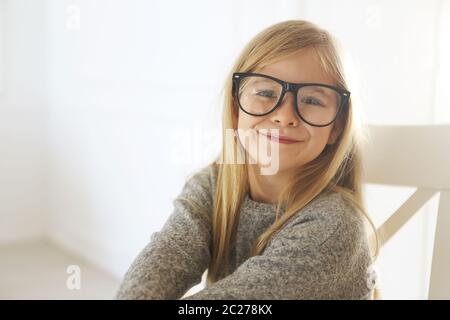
(177, 255)
(321, 254)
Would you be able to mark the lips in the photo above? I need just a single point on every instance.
(281, 138)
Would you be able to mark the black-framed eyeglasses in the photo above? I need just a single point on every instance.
(317, 104)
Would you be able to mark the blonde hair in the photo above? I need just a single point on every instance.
(338, 168)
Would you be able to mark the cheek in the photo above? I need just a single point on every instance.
(246, 121)
(247, 133)
(318, 139)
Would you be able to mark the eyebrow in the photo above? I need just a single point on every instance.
(319, 89)
(262, 79)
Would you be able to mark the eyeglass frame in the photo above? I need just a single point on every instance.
(289, 87)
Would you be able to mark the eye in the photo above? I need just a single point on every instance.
(311, 100)
(266, 94)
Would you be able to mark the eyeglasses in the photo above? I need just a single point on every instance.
(317, 104)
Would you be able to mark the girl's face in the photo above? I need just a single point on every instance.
(304, 66)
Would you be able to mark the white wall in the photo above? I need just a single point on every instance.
(2, 48)
(23, 121)
(441, 112)
(98, 141)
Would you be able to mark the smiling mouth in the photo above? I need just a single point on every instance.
(281, 140)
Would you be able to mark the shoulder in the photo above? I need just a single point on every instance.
(331, 232)
(199, 185)
(330, 217)
(330, 207)
(204, 178)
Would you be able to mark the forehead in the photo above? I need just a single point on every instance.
(303, 66)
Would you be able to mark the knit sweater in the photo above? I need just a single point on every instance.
(320, 253)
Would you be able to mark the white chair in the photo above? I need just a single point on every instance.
(415, 156)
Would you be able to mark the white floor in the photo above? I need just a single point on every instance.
(38, 270)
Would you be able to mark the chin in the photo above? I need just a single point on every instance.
(273, 168)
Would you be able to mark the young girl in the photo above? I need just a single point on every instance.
(296, 233)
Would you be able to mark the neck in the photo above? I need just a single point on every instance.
(265, 188)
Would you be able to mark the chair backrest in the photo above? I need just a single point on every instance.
(415, 156)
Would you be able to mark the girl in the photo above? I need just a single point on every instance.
(295, 233)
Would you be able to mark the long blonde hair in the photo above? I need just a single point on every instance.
(338, 168)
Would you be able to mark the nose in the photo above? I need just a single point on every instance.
(285, 113)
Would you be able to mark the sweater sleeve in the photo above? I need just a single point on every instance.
(177, 255)
(321, 254)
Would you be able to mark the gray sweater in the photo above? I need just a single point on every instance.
(322, 253)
